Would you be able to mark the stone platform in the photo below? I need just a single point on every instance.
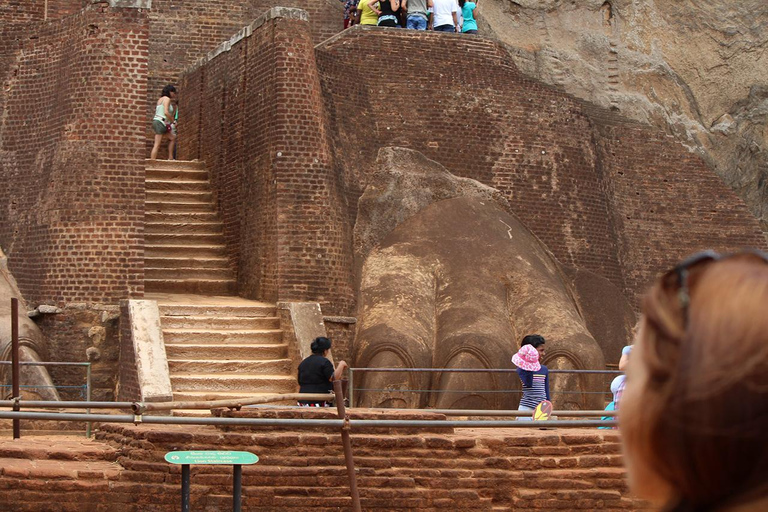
(123, 469)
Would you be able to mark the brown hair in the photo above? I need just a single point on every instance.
(705, 431)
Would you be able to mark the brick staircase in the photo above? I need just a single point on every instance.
(184, 241)
(218, 345)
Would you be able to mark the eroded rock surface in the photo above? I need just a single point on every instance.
(698, 69)
(450, 279)
(36, 381)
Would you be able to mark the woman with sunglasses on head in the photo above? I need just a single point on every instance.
(694, 412)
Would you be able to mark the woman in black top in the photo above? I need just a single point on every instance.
(316, 373)
(387, 11)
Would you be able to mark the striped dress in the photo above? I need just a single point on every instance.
(535, 386)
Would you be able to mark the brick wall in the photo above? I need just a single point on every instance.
(666, 203)
(254, 113)
(71, 156)
(604, 194)
(69, 336)
(479, 117)
(22, 11)
(304, 470)
(183, 32)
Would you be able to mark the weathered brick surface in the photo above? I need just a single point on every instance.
(69, 335)
(305, 469)
(71, 155)
(23, 11)
(665, 202)
(604, 194)
(255, 115)
(183, 32)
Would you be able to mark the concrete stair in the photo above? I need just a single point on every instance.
(223, 347)
(184, 241)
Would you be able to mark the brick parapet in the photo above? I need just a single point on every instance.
(72, 164)
(184, 32)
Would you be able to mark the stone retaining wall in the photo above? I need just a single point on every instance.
(526, 469)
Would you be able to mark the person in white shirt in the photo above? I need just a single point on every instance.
(444, 17)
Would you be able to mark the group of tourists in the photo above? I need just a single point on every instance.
(439, 15)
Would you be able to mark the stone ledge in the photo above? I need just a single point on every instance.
(340, 319)
(131, 4)
(275, 12)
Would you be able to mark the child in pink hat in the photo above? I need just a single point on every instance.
(533, 375)
(527, 358)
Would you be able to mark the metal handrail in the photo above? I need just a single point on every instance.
(351, 386)
(303, 422)
(20, 403)
(140, 407)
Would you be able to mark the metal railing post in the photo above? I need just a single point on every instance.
(347, 442)
(351, 388)
(88, 397)
(15, 363)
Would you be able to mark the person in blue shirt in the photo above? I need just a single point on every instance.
(533, 375)
(467, 13)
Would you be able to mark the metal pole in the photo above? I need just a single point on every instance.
(15, 363)
(304, 423)
(351, 389)
(347, 442)
(185, 488)
(237, 487)
(88, 397)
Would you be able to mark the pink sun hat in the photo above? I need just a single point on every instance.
(527, 358)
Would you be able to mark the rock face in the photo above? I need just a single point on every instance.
(697, 69)
(35, 379)
(452, 280)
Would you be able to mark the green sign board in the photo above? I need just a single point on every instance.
(211, 457)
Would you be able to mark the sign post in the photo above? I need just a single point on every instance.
(235, 459)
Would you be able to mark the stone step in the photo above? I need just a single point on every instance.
(174, 164)
(177, 184)
(183, 238)
(189, 196)
(220, 322)
(180, 218)
(204, 336)
(191, 250)
(176, 174)
(179, 262)
(84, 472)
(255, 310)
(213, 382)
(177, 207)
(243, 352)
(187, 273)
(213, 227)
(194, 286)
(58, 448)
(223, 367)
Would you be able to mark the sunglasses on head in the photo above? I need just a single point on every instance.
(680, 274)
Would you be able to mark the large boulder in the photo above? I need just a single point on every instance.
(450, 279)
(697, 69)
